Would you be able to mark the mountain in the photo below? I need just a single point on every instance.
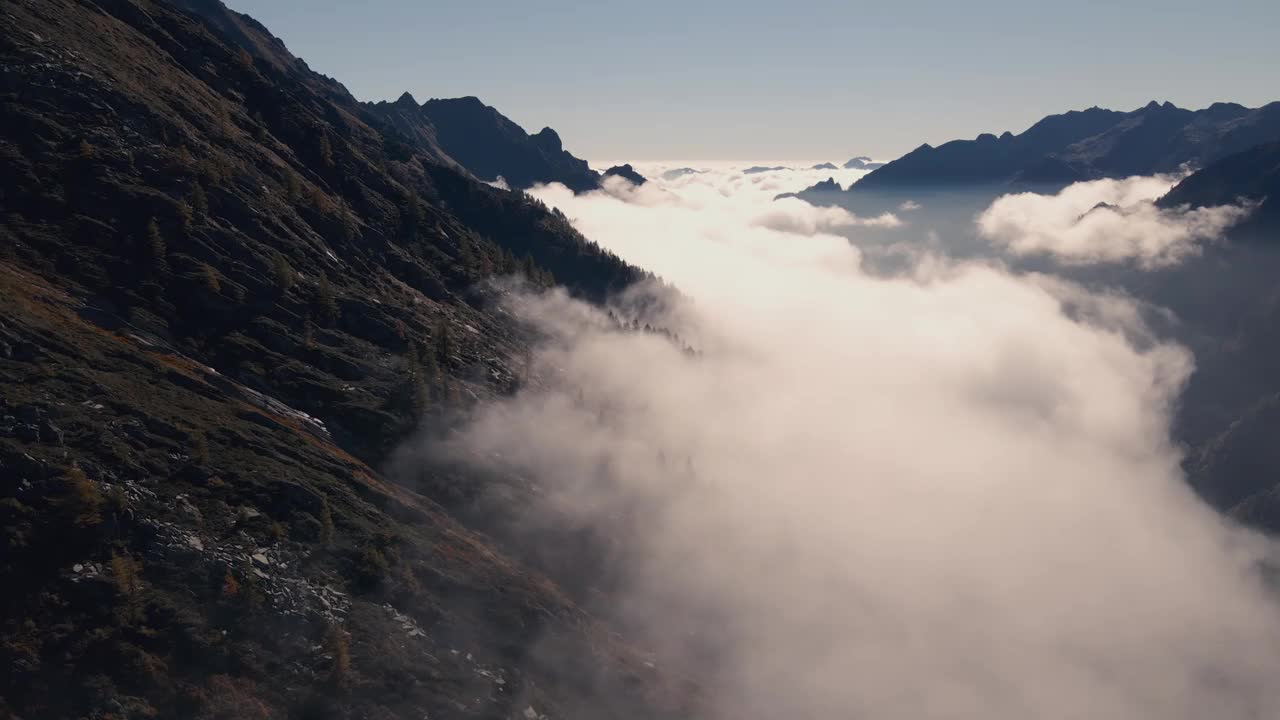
(676, 173)
(824, 166)
(757, 169)
(229, 292)
(487, 143)
(862, 162)
(1253, 174)
(627, 173)
(1083, 145)
(824, 187)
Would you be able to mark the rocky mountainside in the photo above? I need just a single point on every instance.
(487, 143)
(1253, 174)
(1235, 467)
(228, 292)
(626, 172)
(1084, 145)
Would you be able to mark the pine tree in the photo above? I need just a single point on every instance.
(410, 216)
(186, 215)
(326, 151)
(156, 245)
(199, 201)
(282, 272)
(444, 345)
(326, 302)
(350, 226)
(326, 522)
(292, 187)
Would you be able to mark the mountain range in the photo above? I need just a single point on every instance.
(1082, 145)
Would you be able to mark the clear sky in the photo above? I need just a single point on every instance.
(741, 79)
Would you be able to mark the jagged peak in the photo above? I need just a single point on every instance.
(407, 99)
(549, 138)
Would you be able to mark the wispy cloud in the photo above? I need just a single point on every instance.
(1105, 221)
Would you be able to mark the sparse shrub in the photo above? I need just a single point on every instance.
(199, 447)
(277, 532)
(292, 187)
(337, 643)
(224, 126)
(319, 201)
(371, 566)
(142, 666)
(183, 158)
(118, 501)
(125, 573)
(84, 503)
(350, 225)
(209, 277)
(230, 586)
(185, 215)
(229, 698)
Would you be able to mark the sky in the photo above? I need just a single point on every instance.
(721, 80)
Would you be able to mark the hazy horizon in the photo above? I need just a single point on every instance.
(719, 81)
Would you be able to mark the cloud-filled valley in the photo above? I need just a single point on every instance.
(949, 493)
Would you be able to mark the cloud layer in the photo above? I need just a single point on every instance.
(945, 494)
(1105, 221)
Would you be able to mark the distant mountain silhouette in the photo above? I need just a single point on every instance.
(826, 186)
(487, 143)
(627, 172)
(1083, 145)
(1252, 175)
(756, 169)
(674, 173)
(862, 162)
(824, 166)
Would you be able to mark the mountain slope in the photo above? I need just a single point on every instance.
(1083, 145)
(1253, 174)
(227, 293)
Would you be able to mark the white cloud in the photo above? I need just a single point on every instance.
(908, 205)
(1105, 221)
(946, 494)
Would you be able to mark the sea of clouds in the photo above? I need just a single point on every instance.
(945, 493)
